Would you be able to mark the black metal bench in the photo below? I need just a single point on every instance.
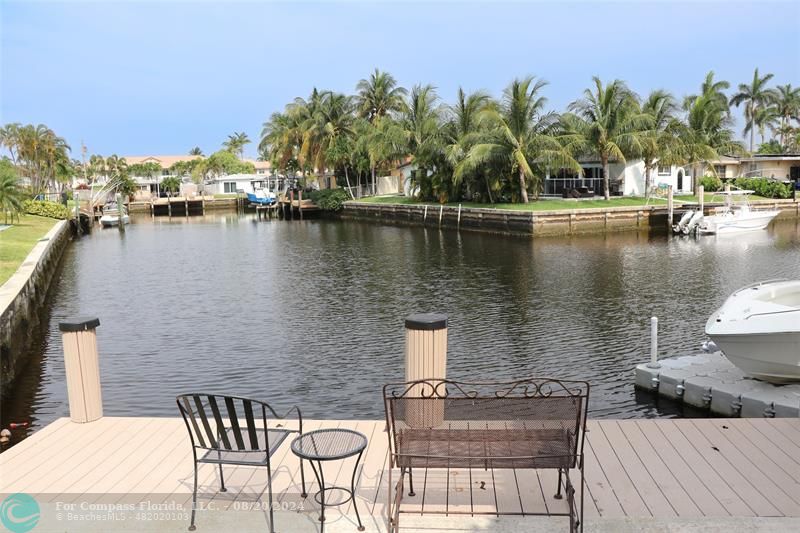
(533, 423)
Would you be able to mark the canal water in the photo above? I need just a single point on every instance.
(311, 313)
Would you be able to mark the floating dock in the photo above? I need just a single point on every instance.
(709, 381)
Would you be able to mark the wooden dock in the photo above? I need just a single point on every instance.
(668, 469)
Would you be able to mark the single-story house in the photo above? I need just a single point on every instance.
(626, 179)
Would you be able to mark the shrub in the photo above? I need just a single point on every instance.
(330, 199)
(44, 208)
(711, 183)
(765, 187)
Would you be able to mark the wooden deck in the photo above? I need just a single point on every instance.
(686, 468)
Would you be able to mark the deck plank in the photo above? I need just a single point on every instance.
(601, 492)
(775, 440)
(759, 470)
(651, 493)
(681, 502)
(628, 497)
(721, 464)
(677, 466)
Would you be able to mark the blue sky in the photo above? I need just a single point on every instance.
(138, 78)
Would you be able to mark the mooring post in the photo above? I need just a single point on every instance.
(425, 216)
(121, 213)
(426, 358)
(300, 203)
(82, 369)
(701, 197)
(458, 223)
(441, 208)
(654, 344)
(670, 207)
(291, 204)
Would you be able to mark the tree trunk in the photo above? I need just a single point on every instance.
(522, 189)
(752, 126)
(373, 180)
(695, 179)
(347, 180)
(488, 189)
(647, 170)
(606, 192)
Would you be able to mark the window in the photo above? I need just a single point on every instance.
(720, 170)
(229, 186)
(664, 170)
(165, 172)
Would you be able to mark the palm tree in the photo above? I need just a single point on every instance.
(379, 96)
(660, 144)
(520, 137)
(754, 96)
(171, 184)
(462, 132)
(712, 90)
(384, 141)
(610, 124)
(424, 139)
(706, 134)
(766, 117)
(236, 143)
(11, 194)
(97, 167)
(9, 139)
(787, 102)
(196, 151)
(42, 156)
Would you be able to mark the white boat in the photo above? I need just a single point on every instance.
(111, 216)
(758, 330)
(736, 215)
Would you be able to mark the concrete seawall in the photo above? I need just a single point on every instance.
(534, 223)
(22, 298)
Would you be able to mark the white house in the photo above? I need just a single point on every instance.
(626, 179)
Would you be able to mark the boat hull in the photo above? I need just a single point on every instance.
(109, 221)
(773, 357)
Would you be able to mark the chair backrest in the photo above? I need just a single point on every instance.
(215, 421)
(528, 404)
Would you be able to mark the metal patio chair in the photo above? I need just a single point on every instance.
(216, 428)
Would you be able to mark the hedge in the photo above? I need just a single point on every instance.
(45, 208)
(764, 187)
(330, 199)
(711, 183)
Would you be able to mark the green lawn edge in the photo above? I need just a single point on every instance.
(17, 242)
(550, 204)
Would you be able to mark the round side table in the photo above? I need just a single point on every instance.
(331, 445)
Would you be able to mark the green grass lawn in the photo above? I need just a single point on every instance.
(225, 195)
(538, 205)
(17, 241)
(550, 204)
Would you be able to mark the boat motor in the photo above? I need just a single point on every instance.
(678, 228)
(696, 219)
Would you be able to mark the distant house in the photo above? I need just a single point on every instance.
(149, 185)
(626, 179)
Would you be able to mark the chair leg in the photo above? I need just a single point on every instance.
(411, 483)
(269, 491)
(304, 494)
(192, 527)
(221, 478)
(558, 494)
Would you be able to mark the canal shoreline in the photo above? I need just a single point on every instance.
(536, 223)
(22, 300)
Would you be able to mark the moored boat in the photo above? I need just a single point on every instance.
(758, 330)
(736, 215)
(111, 216)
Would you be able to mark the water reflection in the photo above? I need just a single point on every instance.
(311, 312)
